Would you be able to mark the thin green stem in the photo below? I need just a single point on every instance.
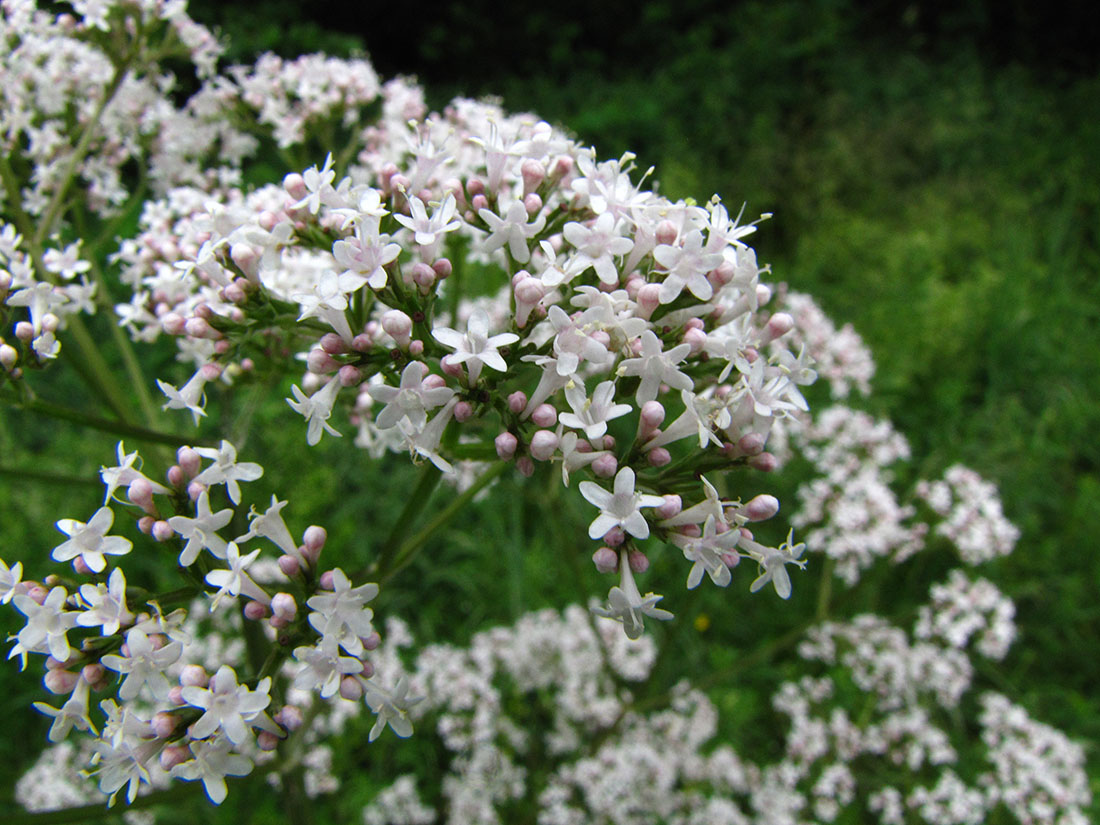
(99, 810)
(409, 549)
(418, 500)
(106, 425)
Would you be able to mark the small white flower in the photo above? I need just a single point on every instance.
(316, 409)
(626, 604)
(227, 470)
(392, 708)
(90, 541)
(201, 531)
(228, 705)
(621, 508)
(475, 348)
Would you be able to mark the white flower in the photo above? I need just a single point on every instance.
(145, 665)
(656, 367)
(707, 551)
(201, 531)
(73, 712)
(235, 581)
(90, 541)
(9, 580)
(426, 231)
(340, 615)
(598, 245)
(392, 708)
(627, 605)
(621, 508)
(191, 397)
(512, 230)
(316, 409)
(592, 414)
(270, 525)
(323, 667)
(47, 624)
(105, 606)
(125, 473)
(226, 470)
(213, 761)
(476, 348)
(410, 400)
(228, 706)
(773, 562)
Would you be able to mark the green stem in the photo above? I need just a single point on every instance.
(408, 550)
(99, 810)
(103, 424)
(418, 500)
(47, 478)
(825, 589)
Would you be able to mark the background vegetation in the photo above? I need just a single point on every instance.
(935, 182)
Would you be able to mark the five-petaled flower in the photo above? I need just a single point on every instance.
(621, 508)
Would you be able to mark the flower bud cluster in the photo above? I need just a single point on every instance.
(150, 663)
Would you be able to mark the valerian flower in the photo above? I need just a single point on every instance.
(392, 708)
(621, 508)
(90, 541)
(626, 604)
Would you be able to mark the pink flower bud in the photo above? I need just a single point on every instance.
(761, 508)
(349, 376)
(615, 537)
(351, 688)
(320, 362)
(652, 415)
(450, 367)
(778, 325)
(423, 276)
(544, 415)
(639, 562)
(9, 355)
(532, 203)
(163, 725)
(289, 566)
(372, 641)
(314, 538)
(722, 274)
(397, 325)
(81, 568)
(474, 187)
(517, 401)
(333, 344)
(24, 331)
(605, 466)
(666, 233)
(174, 755)
(255, 611)
(145, 524)
(764, 462)
(162, 530)
(60, 681)
(289, 717)
(506, 444)
(672, 507)
(367, 671)
(463, 411)
(326, 580)
(533, 174)
(194, 676)
(173, 323)
(659, 457)
(93, 674)
(479, 202)
(175, 696)
(190, 461)
(38, 594)
(416, 347)
(543, 445)
(295, 186)
(606, 560)
(267, 741)
(433, 382)
(198, 328)
(525, 466)
(175, 475)
(443, 268)
(751, 444)
(362, 343)
(696, 339)
(284, 606)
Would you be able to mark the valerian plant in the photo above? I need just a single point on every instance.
(475, 289)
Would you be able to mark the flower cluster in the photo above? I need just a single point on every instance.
(623, 335)
(150, 660)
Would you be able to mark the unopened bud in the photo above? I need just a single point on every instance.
(162, 530)
(605, 466)
(659, 457)
(351, 688)
(60, 681)
(525, 466)
(255, 611)
(606, 560)
(544, 415)
(506, 444)
(397, 325)
(672, 507)
(194, 676)
(765, 462)
(289, 566)
(517, 401)
(639, 562)
(463, 411)
(267, 741)
(761, 508)
(543, 445)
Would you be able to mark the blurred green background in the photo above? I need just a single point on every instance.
(934, 174)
